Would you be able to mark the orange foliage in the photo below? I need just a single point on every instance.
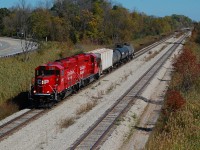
(188, 68)
(174, 100)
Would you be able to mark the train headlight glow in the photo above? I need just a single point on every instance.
(34, 91)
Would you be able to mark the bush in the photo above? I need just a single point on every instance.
(67, 122)
(174, 101)
(198, 39)
(188, 69)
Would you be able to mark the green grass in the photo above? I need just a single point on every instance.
(16, 75)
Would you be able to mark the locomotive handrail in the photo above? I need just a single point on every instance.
(52, 89)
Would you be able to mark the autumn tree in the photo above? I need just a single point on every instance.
(40, 22)
(59, 29)
(4, 12)
(96, 21)
(28, 41)
(10, 25)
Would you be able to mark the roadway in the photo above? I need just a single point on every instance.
(10, 46)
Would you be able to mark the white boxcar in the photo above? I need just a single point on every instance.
(106, 56)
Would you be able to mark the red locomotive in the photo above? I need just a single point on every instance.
(55, 80)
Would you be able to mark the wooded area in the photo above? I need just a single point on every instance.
(96, 21)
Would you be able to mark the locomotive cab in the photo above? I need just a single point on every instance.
(56, 80)
(48, 83)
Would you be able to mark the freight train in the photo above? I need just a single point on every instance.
(56, 80)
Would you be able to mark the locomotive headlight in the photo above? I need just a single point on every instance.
(34, 91)
(47, 92)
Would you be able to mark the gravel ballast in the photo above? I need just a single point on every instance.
(47, 132)
(127, 136)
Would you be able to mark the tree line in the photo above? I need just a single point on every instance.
(96, 21)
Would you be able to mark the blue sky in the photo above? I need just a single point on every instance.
(10, 3)
(190, 8)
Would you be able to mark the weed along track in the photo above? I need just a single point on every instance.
(16, 123)
(96, 134)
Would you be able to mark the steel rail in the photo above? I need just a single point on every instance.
(18, 122)
(144, 50)
(137, 54)
(94, 135)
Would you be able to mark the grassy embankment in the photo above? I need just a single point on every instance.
(16, 75)
(179, 124)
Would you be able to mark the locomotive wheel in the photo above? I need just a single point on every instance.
(97, 76)
(35, 104)
(76, 88)
(49, 105)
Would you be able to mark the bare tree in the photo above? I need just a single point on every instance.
(45, 4)
(28, 42)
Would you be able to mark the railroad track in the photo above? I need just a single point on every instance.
(22, 120)
(137, 54)
(96, 134)
(146, 49)
(18, 122)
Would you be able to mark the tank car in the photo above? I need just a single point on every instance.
(122, 53)
(130, 50)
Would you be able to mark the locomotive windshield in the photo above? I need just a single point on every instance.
(43, 72)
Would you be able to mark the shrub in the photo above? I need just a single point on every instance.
(174, 101)
(86, 107)
(188, 68)
(67, 122)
